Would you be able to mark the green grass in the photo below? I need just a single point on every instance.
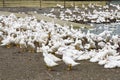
(32, 3)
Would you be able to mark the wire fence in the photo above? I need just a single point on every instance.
(44, 3)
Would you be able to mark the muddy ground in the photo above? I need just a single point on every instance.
(30, 66)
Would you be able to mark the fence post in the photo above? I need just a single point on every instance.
(40, 4)
(74, 4)
(64, 3)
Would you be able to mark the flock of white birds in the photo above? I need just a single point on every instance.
(92, 13)
(51, 39)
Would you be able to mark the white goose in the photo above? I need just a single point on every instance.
(49, 62)
(45, 50)
(7, 41)
(69, 61)
(53, 57)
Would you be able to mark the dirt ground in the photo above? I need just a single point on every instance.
(30, 66)
(26, 10)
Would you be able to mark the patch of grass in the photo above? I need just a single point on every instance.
(32, 3)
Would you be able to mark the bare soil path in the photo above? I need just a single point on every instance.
(30, 66)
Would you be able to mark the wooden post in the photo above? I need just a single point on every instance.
(40, 4)
(64, 3)
(74, 4)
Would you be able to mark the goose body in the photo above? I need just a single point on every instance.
(111, 64)
(53, 57)
(102, 62)
(69, 61)
(49, 62)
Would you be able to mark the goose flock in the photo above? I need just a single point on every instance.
(92, 13)
(59, 43)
